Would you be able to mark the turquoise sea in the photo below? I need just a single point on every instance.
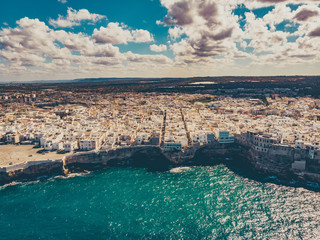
(198, 203)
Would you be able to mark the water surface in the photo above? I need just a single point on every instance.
(199, 203)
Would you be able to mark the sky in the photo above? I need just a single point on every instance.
(68, 39)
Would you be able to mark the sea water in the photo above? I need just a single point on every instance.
(196, 203)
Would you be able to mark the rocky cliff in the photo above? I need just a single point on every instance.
(150, 157)
(31, 170)
(154, 159)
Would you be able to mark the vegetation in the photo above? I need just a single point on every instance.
(203, 100)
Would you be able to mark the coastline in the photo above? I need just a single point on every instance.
(236, 157)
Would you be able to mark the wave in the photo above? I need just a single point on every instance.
(179, 169)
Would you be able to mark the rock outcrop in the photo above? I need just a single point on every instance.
(154, 159)
(31, 171)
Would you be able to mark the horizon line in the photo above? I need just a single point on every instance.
(153, 78)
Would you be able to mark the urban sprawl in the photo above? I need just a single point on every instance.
(175, 122)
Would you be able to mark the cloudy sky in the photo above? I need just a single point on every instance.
(67, 39)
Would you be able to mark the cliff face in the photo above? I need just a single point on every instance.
(31, 171)
(271, 164)
(211, 154)
(154, 159)
(149, 157)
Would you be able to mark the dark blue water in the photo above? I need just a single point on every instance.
(199, 203)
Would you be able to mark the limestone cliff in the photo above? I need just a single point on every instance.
(154, 159)
(31, 171)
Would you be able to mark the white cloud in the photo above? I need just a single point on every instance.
(141, 35)
(212, 30)
(62, 1)
(25, 59)
(158, 22)
(209, 26)
(31, 36)
(85, 44)
(33, 50)
(145, 59)
(74, 18)
(279, 14)
(158, 48)
(175, 32)
(115, 33)
(205, 37)
(254, 4)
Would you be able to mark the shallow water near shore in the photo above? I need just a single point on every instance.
(195, 203)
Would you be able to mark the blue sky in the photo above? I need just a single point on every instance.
(157, 38)
(141, 14)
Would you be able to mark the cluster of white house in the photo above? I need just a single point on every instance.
(174, 119)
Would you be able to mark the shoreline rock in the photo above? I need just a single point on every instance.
(236, 157)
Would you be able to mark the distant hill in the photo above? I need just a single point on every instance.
(80, 80)
(218, 79)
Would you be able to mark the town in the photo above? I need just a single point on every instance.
(173, 121)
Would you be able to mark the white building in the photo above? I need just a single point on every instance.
(200, 138)
(12, 137)
(57, 146)
(70, 146)
(88, 145)
(225, 137)
(48, 146)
